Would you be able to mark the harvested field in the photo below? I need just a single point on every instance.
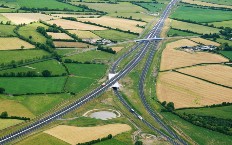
(60, 36)
(116, 23)
(60, 44)
(75, 135)
(201, 3)
(173, 58)
(205, 41)
(117, 49)
(219, 74)
(85, 34)
(193, 27)
(167, 25)
(14, 108)
(16, 43)
(185, 91)
(21, 18)
(4, 123)
(66, 24)
(75, 15)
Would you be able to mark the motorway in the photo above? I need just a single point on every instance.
(99, 90)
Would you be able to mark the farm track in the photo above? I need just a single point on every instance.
(101, 89)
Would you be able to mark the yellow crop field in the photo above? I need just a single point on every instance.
(185, 91)
(219, 74)
(74, 135)
(119, 23)
(59, 36)
(21, 18)
(4, 123)
(204, 41)
(201, 3)
(85, 34)
(14, 43)
(117, 49)
(173, 58)
(66, 24)
(13, 108)
(74, 15)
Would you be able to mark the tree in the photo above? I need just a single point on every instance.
(46, 73)
(170, 106)
(4, 114)
(2, 90)
(163, 103)
(30, 37)
(22, 47)
(138, 143)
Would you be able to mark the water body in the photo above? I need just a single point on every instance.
(103, 115)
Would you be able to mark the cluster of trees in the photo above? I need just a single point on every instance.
(227, 33)
(4, 115)
(216, 124)
(214, 36)
(78, 62)
(138, 143)
(7, 23)
(107, 49)
(97, 141)
(42, 31)
(170, 107)
(188, 31)
(226, 47)
(2, 90)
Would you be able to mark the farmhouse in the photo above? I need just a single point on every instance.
(199, 47)
(103, 41)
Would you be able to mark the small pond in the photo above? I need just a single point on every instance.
(103, 115)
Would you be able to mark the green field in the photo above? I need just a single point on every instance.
(22, 85)
(111, 142)
(6, 30)
(219, 112)
(56, 69)
(8, 56)
(3, 19)
(50, 4)
(219, 40)
(152, 7)
(200, 135)
(223, 24)
(115, 35)
(227, 54)
(201, 15)
(193, 27)
(174, 32)
(30, 30)
(91, 56)
(4, 123)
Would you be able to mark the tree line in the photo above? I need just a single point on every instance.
(4, 115)
(44, 73)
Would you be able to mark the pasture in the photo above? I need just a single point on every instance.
(60, 36)
(30, 30)
(220, 40)
(201, 15)
(3, 19)
(173, 58)
(227, 54)
(4, 123)
(220, 2)
(185, 91)
(220, 74)
(25, 85)
(77, 84)
(111, 142)
(84, 34)
(72, 25)
(63, 44)
(116, 23)
(26, 18)
(205, 41)
(7, 30)
(16, 43)
(7, 56)
(153, 7)
(115, 35)
(75, 135)
(174, 32)
(208, 4)
(223, 24)
(193, 27)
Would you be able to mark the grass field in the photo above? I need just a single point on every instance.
(201, 15)
(221, 2)
(30, 30)
(185, 91)
(3, 19)
(16, 44)
(72, 25)
(227, 54)
(26, 18)
(74, 135)
(4, 123)
(85, 34)
(111, 142)
(193, 27)
(91, 56)
(173, 32)
(219, 40)
(219, 74)
(219, 112)
(59, 36)
(50, 4)
(172, 58)
(6, 30)
(205, 41)
(42, 139)
(223, 24)
(198, 134)
(63, 44)
(201, 3)
(116, 23)
(115, 35)
(32, 85)
(8, 56)
(78, 84)
(153, 7)
(56, 69)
